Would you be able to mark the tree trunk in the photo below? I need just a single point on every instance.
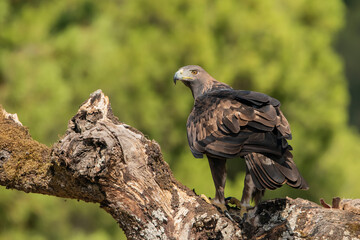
(101, 160)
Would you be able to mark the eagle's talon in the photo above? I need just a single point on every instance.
(243, 210)
(243, 207)
(233, 201)
(214, 202)
(205, 198)
(221, 206)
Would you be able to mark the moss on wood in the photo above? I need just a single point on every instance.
(29, 160)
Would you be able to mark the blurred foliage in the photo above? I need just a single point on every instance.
(40, 217)
(348, 46)
(53, 54)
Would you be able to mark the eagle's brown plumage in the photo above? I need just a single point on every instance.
(226, 123)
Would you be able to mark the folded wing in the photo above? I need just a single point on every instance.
(230, 123)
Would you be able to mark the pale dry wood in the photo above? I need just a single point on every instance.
(101, 160)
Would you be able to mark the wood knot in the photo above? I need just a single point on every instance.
(4, 156)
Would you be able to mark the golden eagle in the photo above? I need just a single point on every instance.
(226, 123)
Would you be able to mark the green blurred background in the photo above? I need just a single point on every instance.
(53, 54)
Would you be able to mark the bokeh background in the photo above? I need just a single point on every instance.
(54, 53)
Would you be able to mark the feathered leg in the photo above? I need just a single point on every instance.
(218, 172)
(250, 191)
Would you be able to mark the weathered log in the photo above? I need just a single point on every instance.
(102, 160)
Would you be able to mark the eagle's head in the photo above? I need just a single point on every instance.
(198, 80)
(195, 78)
(190, 73)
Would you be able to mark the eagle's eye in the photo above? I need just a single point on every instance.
(194, 72)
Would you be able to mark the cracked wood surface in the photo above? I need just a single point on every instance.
(102, 160)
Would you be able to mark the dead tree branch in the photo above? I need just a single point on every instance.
(101, 160)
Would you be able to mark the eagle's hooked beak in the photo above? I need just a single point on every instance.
(180, 76)
(177, 76)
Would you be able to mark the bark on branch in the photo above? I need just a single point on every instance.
(101, 160)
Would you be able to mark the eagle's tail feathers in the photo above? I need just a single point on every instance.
(269, 174)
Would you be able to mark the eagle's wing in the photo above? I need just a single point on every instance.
(230, 123)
